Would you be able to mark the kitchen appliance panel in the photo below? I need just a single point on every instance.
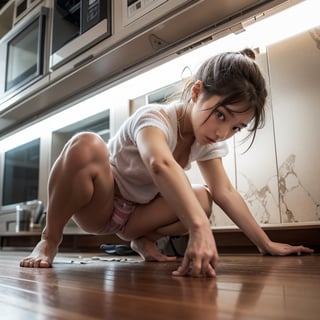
(77, 26)
(23, 52)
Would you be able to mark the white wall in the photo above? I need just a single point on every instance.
(279, 177)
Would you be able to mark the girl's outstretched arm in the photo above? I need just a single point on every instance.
(232, 203)
(201, 254)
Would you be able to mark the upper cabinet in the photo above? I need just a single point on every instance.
(121, 39)
(294, 67)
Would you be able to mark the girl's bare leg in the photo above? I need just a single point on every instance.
(80, 185)
(151, 222)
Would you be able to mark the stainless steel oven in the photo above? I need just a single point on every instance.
(78, 25)
(23, 52)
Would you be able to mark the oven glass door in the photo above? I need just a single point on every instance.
(21, 173)
(25, 54)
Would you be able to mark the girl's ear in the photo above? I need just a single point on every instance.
(196, 90)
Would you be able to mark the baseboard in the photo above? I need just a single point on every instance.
(234, 240)
(228, 239)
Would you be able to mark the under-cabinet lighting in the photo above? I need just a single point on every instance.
(296, 19)
(285, 24)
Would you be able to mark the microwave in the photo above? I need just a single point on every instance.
(77, 26)
(24, 52)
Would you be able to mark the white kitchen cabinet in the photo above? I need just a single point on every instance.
(295, 84)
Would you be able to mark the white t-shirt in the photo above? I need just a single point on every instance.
(130, 173)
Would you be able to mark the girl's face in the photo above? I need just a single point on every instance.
(211, 124)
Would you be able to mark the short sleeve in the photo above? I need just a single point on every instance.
(153, 117)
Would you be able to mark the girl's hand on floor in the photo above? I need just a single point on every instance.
(201, 256)
(283, 249)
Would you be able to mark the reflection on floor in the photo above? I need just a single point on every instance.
(99, 286)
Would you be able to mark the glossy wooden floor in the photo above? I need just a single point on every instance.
(247, 287)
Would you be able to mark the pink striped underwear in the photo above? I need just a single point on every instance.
(121, 212)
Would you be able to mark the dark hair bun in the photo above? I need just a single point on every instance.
(249, 53)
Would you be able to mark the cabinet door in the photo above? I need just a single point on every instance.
(295, 84)
(256, 170)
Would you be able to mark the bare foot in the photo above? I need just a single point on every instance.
(42, 255)
(148, 250)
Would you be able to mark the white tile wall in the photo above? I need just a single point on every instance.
(295, 84)
(279, 177)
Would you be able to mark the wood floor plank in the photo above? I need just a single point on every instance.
(246, 287)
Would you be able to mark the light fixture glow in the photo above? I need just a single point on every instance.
(296, 19)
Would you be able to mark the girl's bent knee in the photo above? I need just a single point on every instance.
(84, 148)
(88, 139)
